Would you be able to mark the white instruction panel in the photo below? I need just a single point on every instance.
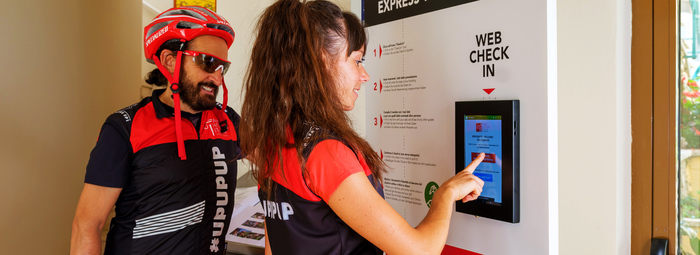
(420, 62)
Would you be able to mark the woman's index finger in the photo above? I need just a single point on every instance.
(472, 166)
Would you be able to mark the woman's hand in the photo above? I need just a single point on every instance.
(464, 185)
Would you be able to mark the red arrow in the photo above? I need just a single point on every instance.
(382, 154)
(488, 91)
(380, 51)
(380, 86)
(381, 121)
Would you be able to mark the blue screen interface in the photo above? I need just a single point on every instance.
(482, 133)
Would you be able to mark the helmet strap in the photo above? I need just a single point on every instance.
(175, 88)
(221, 113)
(223, 84)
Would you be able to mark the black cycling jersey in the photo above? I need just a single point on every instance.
(167, 205)
(297, 215)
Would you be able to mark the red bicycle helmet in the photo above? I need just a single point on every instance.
(184, 24)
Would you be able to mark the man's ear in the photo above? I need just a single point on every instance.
(168, 59)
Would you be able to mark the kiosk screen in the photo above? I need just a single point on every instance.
(482, 133)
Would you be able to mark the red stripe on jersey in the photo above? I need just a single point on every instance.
(148, 130)
(292, 179)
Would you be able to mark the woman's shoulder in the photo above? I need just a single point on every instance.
(317, 139)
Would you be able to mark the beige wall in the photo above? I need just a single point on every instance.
(65, 66)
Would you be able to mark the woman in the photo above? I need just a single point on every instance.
(320, 183)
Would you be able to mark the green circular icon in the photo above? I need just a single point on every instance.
(429, 192)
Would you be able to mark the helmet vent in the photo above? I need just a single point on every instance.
(156, 27)
(189, 25)
(222, 27)
(182, 12)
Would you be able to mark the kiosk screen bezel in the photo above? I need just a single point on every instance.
(509, 209)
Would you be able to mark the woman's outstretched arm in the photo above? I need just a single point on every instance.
(358, 204)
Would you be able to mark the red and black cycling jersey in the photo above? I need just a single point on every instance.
(167, 205)
(297, 216)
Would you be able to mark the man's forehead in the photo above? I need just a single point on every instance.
(209, 44)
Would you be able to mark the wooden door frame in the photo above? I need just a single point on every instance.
(654, 114)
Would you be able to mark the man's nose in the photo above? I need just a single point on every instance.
(217, 77)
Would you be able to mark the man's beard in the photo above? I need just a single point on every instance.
(190, 94)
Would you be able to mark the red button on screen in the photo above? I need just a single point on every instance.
(488, 157)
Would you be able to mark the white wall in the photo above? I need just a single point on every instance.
(594, 126)
(438, 51)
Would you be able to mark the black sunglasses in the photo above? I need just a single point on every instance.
(209, 63)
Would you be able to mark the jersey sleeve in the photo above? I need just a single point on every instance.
(329, 164)
(109, 164)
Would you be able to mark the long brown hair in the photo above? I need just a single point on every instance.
(289, 82)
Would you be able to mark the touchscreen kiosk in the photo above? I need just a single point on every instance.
(490, 127)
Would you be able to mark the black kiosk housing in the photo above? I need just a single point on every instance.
(490, 127)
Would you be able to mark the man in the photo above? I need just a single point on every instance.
(168, 163)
